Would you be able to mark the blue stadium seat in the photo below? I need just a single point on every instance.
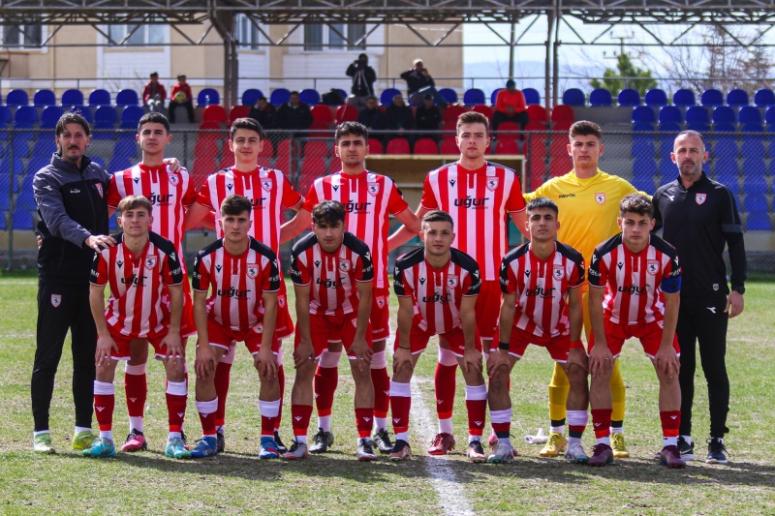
(25, 207)
(758, 221)
(684, 98)
(670, 114)
(17, 98)
(764, 98)
(5, 116)
(667, 170)
(310, 96)
(753, 145)
(697, 118)
(386, 97)
(655, 97)
(342, 95)
(755, 201)
(25, 116)
(127, 98)
(725, 147)
(130, 116)
(50, 116)
(449, 95)
(105, 117)
(207, 96)
(668, 132)
(532, 96)
(712, 98)
(99, 97)
(72, 98)
(20, 142)
(473, 97)
(644, 170)
(573, 97)
(642, 146)
(44, 98)
(600, 97)
(643, 114)
(737, 98)
(753, 167)
(251, 96)
(44, 147)
(118, 163)
(750, 118)
(723, 116)
(37, 161)
(628, 97)
(494, 95)
(280, 96)
(84, 111)
(769, 116)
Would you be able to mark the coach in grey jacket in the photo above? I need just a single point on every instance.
(70, 194)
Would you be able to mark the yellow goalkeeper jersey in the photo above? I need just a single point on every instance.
(588, 207)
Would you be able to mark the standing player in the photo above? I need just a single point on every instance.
(588, 201)
(369, 200)
(332, 275)
(541, 283)
(243, 279)
(478, 195)
(437, 287)
(140, 269)
(270, 192)
(640, 278)
(171, 193)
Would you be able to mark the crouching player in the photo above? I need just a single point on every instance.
(332, 274)
(241, 275)
(437, 287)
(541, 283)
(639, 275)
(138, 269)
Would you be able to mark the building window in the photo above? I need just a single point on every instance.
(356, 31)
(21, 36)
(143, 35)
(315, 38)
(247, 33)
(336, 33)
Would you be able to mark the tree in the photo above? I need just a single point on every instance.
(627, 75)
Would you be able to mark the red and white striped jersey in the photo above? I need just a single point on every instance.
(236, 283)
(478, 201)
(332, 277)
(169, 192)
(137, 282)
(541, 287)
(268, 190)
(634, 282)
(369, 199)
(436, 293)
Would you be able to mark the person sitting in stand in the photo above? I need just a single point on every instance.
(181, 96)
(510, 106)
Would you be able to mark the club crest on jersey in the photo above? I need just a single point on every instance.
(344, 265)
(492, 183)
(267, 184)
(652, 267)
(174, 179)
(452, 281)
(373, 188)
(700, 198)
(600, 197)
(150, 262)
(558, 272)
(381, 302)
(98, 186)
(56, 300)
(252, 270)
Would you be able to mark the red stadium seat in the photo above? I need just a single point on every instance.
(536, 114)
(322, 117)
(336, 164)
(375, 146)
(238, 112)
(559, 161)
(346, 113)
(483, 109)
(214, 113)
(314, 148)
(398, 146)
(284, 154)
(449, 146)
(450, 115)
(426, 146)
(507, 145)
(311, 168)
(563, 113)
(266, 154)
(536, 161)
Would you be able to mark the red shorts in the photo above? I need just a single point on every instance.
(225, 338)
(379, 319)
(325, 329)
(649, 335)
(454, 340)
(154, 339)
(558, 347)
(488, 309)
(284, 324)
(187, 324)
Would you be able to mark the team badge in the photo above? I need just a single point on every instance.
(252, 270)
(98, 186)
(373, 188)
(600, 197)
(344, 265)
(56, 300)
(174, 179)
(492, 183)
(452, 281)
(381, 302)
(267, 184)
(700, 198)
(652, 267)
(558, 273)
(150, 262)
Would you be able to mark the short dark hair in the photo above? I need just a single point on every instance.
(132, 202)
(636, 203)
(294, 92)
(71, 118)
(543, 203)
(351, 129)
(585, 128)
(152, 117)
(689, 132)
(236, 205)
(251, 124)
(472, 117)
(328, 213)
(510, 83)
(438, 216)
(154, 74)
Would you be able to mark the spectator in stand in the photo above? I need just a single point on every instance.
(510, 106)
(295, 114)
(264, 113)
(417, 78)
(154, 93)
(427, 117)
(371, 116)
(398, 116)
(181, 96)
(363, 77)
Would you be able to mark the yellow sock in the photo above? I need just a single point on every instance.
(558, 393)
(617, 394)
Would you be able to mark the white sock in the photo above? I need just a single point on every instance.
(403, 436)
(324, 422)
(474, 438)
(670, 441)
(688, 439)
(445, 426)
(79, 429)
(136, 423)
(603, 440)
(557, 429)
(300, 438)
(380, 423)
(40, 432)
(617, 429)
(174, 435)
(574, 440)
(106, 435)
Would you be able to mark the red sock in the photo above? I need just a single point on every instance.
(364, 420)
(136, 389)
(300, 415)
(476, 416)
(326, 379)
(601, 421)
(103, 409)
(400, 407)
(445, 390)
(671, 422)
(206, 411)
(176, 404)
(222, 373)
(281, 379)
(381, 381)
(269, 411)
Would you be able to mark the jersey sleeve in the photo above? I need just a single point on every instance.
(577, 277)
(311, 199)
(515, 201)
(428, 199)
(99, 270)
(271, 279)
(190, 195)
(671, 276)
(396, 201)
(400, 286)
(172, 272)
(203, 195)
(113, 197)
(201, 274)
(507, 279)
(364, 270)
(290, 196)
(598, 274)
(472, 283)
(300, 273)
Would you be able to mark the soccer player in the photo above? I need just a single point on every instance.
(541, 282)
(270, 192)
(478, 195)
(242, 278)
(639, 276)
(332, 277)
(588, 202)
(169, 189)
(369, 200)
(437, 287)
(140, 269)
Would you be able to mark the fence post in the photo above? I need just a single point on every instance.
(11, 200)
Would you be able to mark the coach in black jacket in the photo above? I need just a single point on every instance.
(70, 194)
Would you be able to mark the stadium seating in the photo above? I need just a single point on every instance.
(130, 116)
(398, 146)
(643, 115)
(316, 148)
(449, 95)
(600, 97)
(72, 98)
(494, 96)
(25, 116)
(532, 96)
(42, 150)
(43, 98)
(426, 146)
(17, 98)
(238, 112)
(750, 118)
(757, 208)
(207, 96)
(375, 146)
(683, 98)
(655, 98)
(764, 98)
(346, 113)
(644, 170)
(537, 117)
(712, 98)
(450, 114)
(104, 118)
(628, 97)
(448, 146)
(279, 97)
(769, 117)
(251, 96)
(562, 117)
(483, 109)
(670, 114)
(310, 96)
(342, 95)
(507, 145)
(214, 113)
(697, 118)
(285, 151)
(127, 98)
(322, 117)
(642, 146)
(753, 145)
(386, 97)
(573, 97)
(50, 116)
(6, 116)
(737, 98)
(99, 97)
(311, 169)
(473, 96)
(723, 118)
